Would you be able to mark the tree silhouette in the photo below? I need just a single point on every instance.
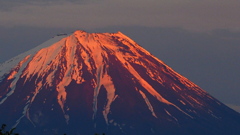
(3, 132)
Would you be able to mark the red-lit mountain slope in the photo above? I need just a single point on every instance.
(87, 83)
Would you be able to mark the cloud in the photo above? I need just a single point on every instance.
(194, 15)
(13, 4)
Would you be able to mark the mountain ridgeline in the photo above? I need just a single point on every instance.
(86, 83)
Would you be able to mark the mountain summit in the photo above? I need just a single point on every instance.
(87, 83)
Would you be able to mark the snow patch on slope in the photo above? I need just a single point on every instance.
(7, 66)
(148, 103)
(111, 96)
(43, 58)
(15, 75)
(93, 46)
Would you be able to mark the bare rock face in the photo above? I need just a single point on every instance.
(87, 83)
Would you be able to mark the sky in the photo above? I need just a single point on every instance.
(198, 39)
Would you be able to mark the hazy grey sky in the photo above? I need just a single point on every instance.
(198, 39)
(189, 14)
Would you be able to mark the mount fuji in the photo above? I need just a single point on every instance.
(85, 83)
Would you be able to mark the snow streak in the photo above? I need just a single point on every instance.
(148, 103)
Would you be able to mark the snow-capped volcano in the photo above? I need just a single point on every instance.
(87, 83)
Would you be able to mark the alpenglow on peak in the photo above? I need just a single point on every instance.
(85, 83)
